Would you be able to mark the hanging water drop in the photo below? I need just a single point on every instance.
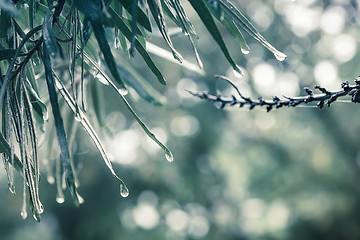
(101, 78)
(60, 199)
(58, 85)
(123, 91)
(24, 213)
(222, 15)
(81, 199)
(95, 72)
(280, 56)
(169, 156)
(50, 179)
(46, 116)
(41, 208)
(245, 51)
(124, 191)
(78, 117)
(117, 43)
(12, 188)
(238, 74)
(36, 217)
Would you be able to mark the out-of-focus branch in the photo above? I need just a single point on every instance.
(325, 97)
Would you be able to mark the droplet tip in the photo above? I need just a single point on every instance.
(169, 156)
(60, 200)
(124, 194)
(245, 51)
(123, 91)
(50, 179)
(280, 56)
(24, 214)
(124, 191)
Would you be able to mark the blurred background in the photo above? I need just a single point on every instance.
(292, 173)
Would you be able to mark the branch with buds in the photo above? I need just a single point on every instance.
(325, 97)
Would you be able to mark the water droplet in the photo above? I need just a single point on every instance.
(117, 43)
(50, 179)
(35, 60)
(238, 74)
(60, 199)
(169, 156)
(41, 208)
(58, 85)
(280, 56)
(123, 91)
(24, 214)
(46, 116)
(214, 4)
(12, 188)
(124, 191)
(222, 15)
(81, 199)
(101, 79)
(78, 117)
(245, 51)
(36, 217)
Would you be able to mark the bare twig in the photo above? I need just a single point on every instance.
(326, 97)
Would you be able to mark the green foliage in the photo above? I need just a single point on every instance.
(69, 55)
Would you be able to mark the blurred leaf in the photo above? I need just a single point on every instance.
(5, 24)
(29, 121)
(59, 125)
(142, 18)
(88, 128)
(86, 30)
(229, 25)
(97, 101)
(12, 64)
(157, 12)
(105, 49)
(18, 29)
(150, 134)
(179, 17)
(231, 11)
(120, 40)
(32, 12)
(5, 148)
(127, 33)
(167, 55)
(8, 6)
(187, 28)
(49, 37)
(92, 9)
(206, 17)
(168, 153)
(39, 108)
(9, 53)
(133, 27)
(139, 84)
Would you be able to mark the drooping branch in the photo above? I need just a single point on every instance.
(325, 97)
